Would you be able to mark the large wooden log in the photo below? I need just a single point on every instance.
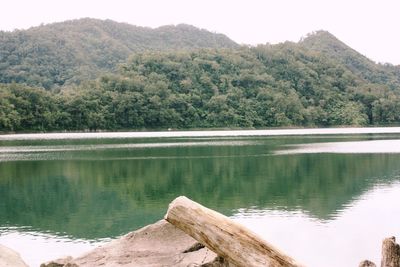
(390, 253)
(228, 239)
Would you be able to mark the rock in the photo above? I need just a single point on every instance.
(65, 262)
(159, 244)
(367, 263)
(10, 258)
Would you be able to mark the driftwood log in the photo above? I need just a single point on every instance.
(390, 253)
(367, 263)
(228, 239)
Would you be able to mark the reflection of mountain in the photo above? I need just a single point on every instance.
(102, 198)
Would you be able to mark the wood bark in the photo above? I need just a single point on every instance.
(390, 253)
(228, 239)
(367, 263)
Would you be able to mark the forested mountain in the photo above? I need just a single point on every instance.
(329, 45)
(70, 52)
(318, 81)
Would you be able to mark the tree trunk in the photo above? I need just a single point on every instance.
(367, 263)
(390, 253)
(225, 237)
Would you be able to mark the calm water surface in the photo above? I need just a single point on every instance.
(327, 199)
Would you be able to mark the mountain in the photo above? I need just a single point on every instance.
(175, 79)
(329, 45)
(70, 52)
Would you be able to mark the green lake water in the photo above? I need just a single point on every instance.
(325, 199)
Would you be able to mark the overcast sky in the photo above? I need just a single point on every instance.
(369, 26)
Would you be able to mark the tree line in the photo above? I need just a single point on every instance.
(264, 86)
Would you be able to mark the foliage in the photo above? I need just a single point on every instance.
(61, 54)
(309, 83)
(360, 65)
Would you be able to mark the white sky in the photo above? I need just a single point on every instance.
(369, 26)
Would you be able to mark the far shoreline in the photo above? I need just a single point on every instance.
(201, 133)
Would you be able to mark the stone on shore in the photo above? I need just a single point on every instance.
(159, 244)
(367, 263)
(10, 258)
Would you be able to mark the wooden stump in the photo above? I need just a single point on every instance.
(228, 239)
(367, 263)
(390, 253)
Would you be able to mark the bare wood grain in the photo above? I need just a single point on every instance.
(390, 253)
(228, 239)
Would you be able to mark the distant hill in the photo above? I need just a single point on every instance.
(70, 52)
(182, 77)
(329, 45)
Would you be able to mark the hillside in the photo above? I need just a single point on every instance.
(265, 86)
(70, 52)
(171, 81)
(329, 45)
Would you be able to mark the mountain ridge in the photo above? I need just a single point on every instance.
(67, 53)
(183, 77)
(330, 45)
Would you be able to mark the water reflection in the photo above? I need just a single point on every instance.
(60, 152)
(116, 196)
(94, 189)
(374, 146)
(37, 248)
(355, 234)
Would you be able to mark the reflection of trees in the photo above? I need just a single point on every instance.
(99, 198)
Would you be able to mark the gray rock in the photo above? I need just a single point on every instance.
(367, 263)
(159, 244)
(10, 258)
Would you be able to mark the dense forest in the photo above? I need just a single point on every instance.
(61, 54)
(198, 80)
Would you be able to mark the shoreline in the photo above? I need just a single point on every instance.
(201, 133)
(189, 235)
(157, 244)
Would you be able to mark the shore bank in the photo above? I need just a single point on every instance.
(159, 244)
(190, 235)
(10, 258)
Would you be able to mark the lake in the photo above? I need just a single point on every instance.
(327, 197)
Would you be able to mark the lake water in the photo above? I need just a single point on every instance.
(327, 197)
